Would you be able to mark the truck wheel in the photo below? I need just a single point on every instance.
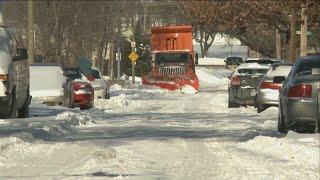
(24, 110)
(282, 128)
(14, 112)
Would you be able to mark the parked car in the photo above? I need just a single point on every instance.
(244, 82)
(298, 99)
(14, 76)
(100, 85)
(262, 61)
(83, 93)
(268, 91)
(233, 62)
(49, 85)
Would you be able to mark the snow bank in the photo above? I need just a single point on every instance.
(211, 61)
(118, 102)
(207, 76)
(188, 90)
(300, 148)
(75, 119)
(116, 87)
(11, 146)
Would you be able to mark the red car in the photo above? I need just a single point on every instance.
(83, 95)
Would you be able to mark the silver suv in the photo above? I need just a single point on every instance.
(14, 76)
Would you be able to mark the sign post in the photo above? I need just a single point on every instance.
(133, 56)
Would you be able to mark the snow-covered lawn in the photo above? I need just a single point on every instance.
(150, 133)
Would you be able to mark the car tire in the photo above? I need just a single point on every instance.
(24, 110)
(14, 112)
(260, 108)
(107, 95)
(233, 104)
(85, 108)
(282, 127)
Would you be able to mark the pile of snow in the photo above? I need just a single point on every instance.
(300, 148)
(211, 61)
(75, 119)
(188, 90)
(118, 102)
(11, 146)
(206, 76)
(115, 87)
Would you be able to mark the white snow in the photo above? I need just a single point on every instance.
(211, 61)
(46, 81)
(188, 89)
(150, 133)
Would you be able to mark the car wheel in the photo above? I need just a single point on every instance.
(233, 104)
(14, 112)
(260, 108)
(85, 107)
(282, 127)
(24, 111)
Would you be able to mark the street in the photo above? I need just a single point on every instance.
(148, 133)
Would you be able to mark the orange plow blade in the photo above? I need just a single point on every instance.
(171, 83)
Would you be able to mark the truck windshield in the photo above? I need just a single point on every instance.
(162, 58)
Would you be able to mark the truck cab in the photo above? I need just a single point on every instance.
(172, 58)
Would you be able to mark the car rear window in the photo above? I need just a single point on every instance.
(281, 70)
(252, 71)
(234, 61)
(304, 67)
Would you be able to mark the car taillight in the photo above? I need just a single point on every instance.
(4, 77)
(300, 91)
(270, 85)
(235, 80)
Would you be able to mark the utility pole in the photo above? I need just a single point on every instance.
(133, 64)
(304, 29)
(293, 21)
(278, 44)
(30, 32)
(118, 51)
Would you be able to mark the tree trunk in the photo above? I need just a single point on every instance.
(293, 50)
(304, 29)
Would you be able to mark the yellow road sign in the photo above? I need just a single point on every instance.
(133, 56)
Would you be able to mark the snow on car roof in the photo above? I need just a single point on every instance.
(253, 66)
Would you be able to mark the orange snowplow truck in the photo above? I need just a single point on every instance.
(173, 59)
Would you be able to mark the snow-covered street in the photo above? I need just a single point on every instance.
(149, 133)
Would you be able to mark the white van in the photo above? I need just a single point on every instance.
(14, 76)
(49, 85)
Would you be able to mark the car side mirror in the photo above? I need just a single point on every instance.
(21, 54)
(197, 58)
(279, 79)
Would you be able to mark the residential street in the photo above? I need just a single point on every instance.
(149, 133)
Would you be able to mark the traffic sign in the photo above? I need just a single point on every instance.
(133, 56)
(133, 44)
